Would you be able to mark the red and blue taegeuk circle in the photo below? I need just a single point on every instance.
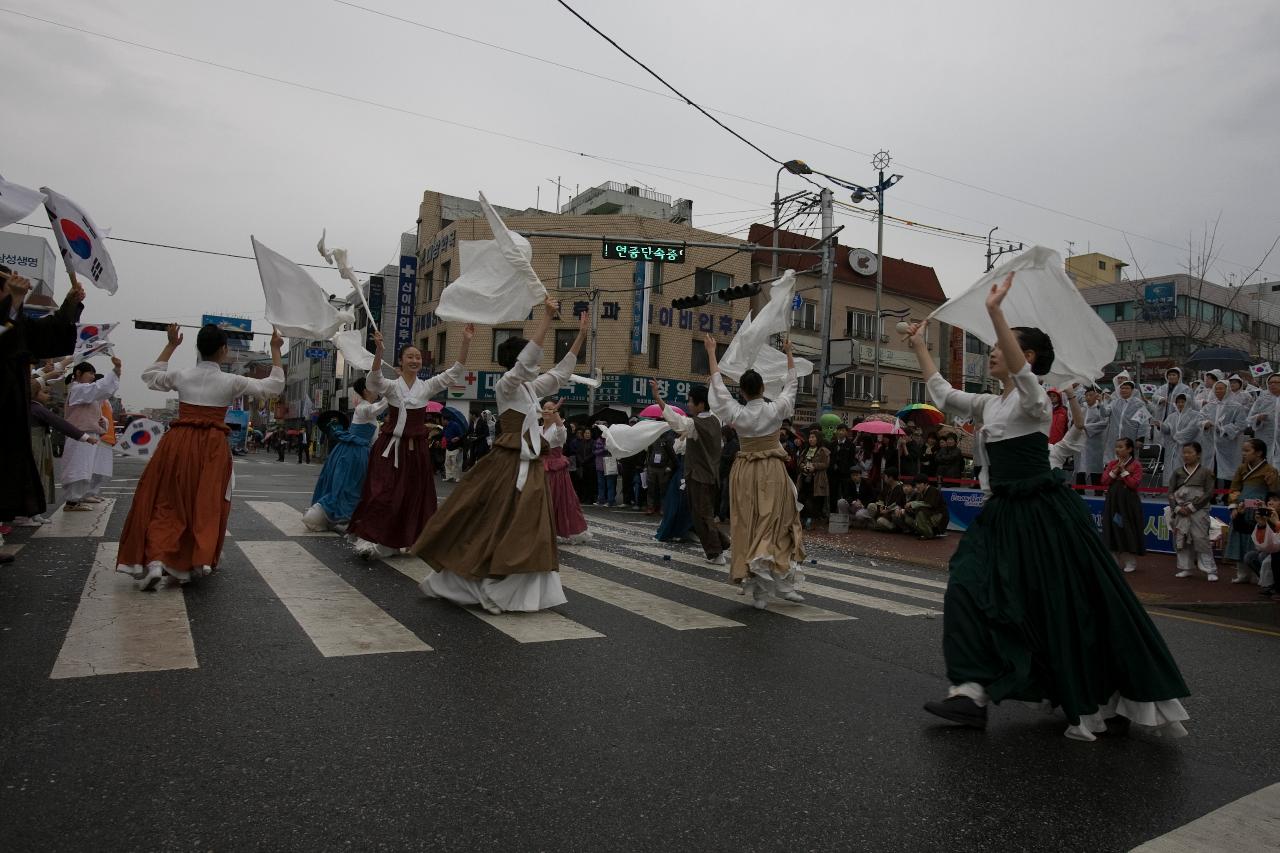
(88, 333)
(140, 438)
(77, 240)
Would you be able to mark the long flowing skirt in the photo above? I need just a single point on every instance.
(491, 543)
(570, 521)
(180, 509)
(1036, 608)
(1122, 520)
(677, 515)
(768, 541)
(341, 481)
(397, 500)
(1239, 544)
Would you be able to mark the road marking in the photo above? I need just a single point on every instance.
(887, 605)
(540, 626)
(91, 524)
(11, 548)
(881, 573)
(1214, 623)
(285, 518)
(655, 608)
(803, 612)
(338, 619)
(1249, 823)
(117, 629)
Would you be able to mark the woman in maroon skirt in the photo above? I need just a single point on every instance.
(399, 492)
(571, 526)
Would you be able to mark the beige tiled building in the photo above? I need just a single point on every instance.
(572, 270)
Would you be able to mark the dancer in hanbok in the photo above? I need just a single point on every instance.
(571, 525)
(704, 441)
(104, 460)
(1036, 608)
(399, 492)
(83, 408)
(1190, 493)
(494, 542)
(768, 546)
(337, 491)
(1222, 423)
(677, 516)
(178, 519)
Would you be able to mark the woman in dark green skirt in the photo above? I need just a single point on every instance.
(1036, 608)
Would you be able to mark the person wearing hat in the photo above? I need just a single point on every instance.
(1120, 423)
(85, 395)
(1058, 422)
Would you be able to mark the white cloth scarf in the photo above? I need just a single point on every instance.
(498, 284)
(750, 346)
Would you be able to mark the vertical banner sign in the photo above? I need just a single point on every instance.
(405, 295)
(640, 308)
(375, 307)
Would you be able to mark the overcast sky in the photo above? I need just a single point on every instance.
(1054, 122)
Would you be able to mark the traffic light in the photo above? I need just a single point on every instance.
(742, 291)
(695, 301)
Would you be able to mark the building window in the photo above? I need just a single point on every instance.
(804, 384)
(654, 342)
(564, 340)
(441, 342)
(858, 325)
(445, 269)
(858, 386)
(1102, 265)
(919, 391)
(974, 346)
(698, 364)
(655, 280)
(501, 336)
(708, 281)
(429, 284)
(805, 317)
(575, 271)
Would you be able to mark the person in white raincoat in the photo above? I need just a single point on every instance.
(1121, 424)
(83, 408)
(1204, 394)
(1222, 424)
(1180, 426)
(1162, 401)
(1091, 461)
(1264, 418)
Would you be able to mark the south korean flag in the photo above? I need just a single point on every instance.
(141, 438)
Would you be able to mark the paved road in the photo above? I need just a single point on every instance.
(304, 699)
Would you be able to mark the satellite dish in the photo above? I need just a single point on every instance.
(863, 261)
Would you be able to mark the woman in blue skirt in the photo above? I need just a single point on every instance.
(1036, 609)
(677, 514)
(338, 490)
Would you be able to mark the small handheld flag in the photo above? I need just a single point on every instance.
(1260, 370)
(141, 437)
(1141, 416)
(1148, 390)
(90, 333)
(83, 244)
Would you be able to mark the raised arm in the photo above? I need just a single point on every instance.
(374, 378)
(456, 374)
(550, 308)
(273, 384)
(550, 382)
(679, 423)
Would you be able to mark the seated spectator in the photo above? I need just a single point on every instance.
(1266, 542)
(926, 512)
(887, 508)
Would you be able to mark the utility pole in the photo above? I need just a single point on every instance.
(994, 254)
(828, 282)
(595, 318)
(876, 330)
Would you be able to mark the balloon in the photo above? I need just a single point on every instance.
(828, 422)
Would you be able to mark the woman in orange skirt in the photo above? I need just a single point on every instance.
(178, 519)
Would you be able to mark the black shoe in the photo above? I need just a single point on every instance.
(959, 709)
(1267, 590)
(1117, 726)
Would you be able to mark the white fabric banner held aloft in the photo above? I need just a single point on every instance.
(296, 305)
(498, 284)
(17, 202)
(1043, 297)
(81, 243)
(750, 346)
(623, 440)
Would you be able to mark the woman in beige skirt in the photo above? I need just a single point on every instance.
(765, 529)
(493, 543)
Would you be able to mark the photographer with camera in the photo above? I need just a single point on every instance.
(1253, 481)
(1266, 542)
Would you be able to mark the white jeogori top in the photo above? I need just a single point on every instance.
(396, 392)
(1023, 411)
(757, 417)
(555, 435)
(367, 413)
(520, 389)
(205, 384)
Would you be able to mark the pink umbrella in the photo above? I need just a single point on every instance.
(433, 406)
(878, 428)
(655, 411)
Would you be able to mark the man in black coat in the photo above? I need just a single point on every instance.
(844, 456)
(23, 342)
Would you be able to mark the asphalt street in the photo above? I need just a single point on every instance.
(302, 698)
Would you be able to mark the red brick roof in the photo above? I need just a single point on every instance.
(902, 277)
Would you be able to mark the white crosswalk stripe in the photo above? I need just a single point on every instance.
(91, 524)
(544, 626)
(655, 608)
(118, 629)
(284, 518)
(338, 619)
(803, 612)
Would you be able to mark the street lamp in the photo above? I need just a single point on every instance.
(795, 167)
(860, 194)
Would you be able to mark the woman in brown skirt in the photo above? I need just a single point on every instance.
(765, 529)
(494, 542)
